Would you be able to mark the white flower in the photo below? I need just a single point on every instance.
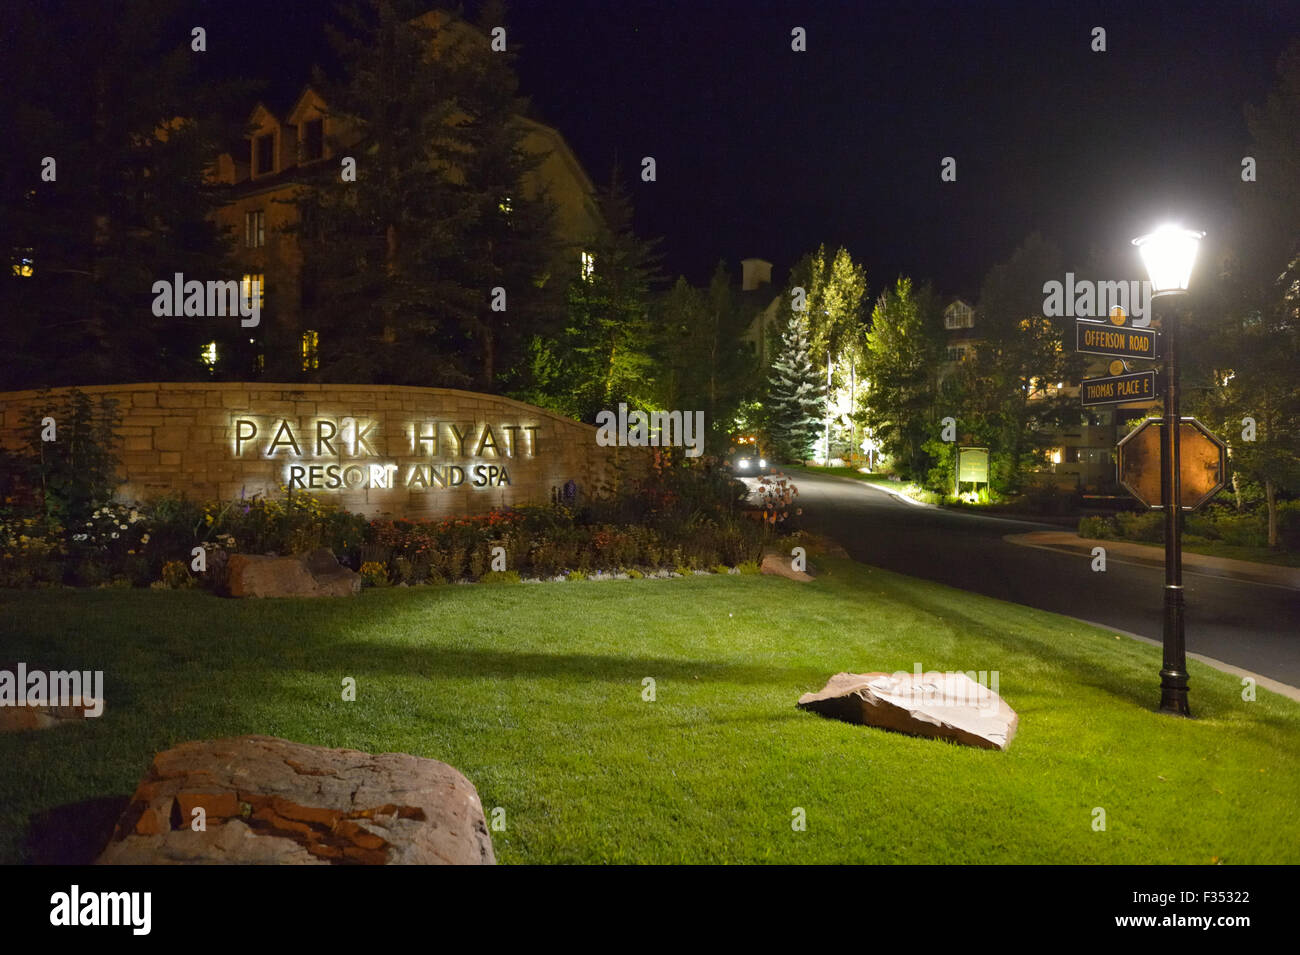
(122, 526)
(115, 535)
(144, 539)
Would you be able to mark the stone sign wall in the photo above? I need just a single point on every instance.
(377, 450)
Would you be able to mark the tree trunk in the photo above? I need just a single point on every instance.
(1270, 495)
(1236, 490)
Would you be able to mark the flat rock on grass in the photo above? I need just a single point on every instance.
(948, 706)
(781, 565)
(318, 574)
(271, 801)
(15, 719)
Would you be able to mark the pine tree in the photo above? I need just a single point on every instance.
(385, 254)
(796, 395)
(607, 346)
(129, 128)
(904, 349)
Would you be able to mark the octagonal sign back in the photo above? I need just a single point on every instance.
(1203, 463)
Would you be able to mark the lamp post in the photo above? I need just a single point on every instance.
(1169, 254)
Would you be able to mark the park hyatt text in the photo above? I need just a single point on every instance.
(424, 445)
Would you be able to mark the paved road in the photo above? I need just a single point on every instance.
(1250, 625)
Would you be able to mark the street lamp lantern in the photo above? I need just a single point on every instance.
(1169, 254)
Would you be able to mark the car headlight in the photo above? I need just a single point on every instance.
(762, 462)
(744, 464)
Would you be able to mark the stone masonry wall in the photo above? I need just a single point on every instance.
(390, 450)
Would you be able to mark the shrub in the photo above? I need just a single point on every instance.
(501, 577)
(749, 567)
(1145, 526)
(374, 574)
(1288, 525)
(478, 562)
(634, 574)
(1245, 530)
(1099, 528)
(575, 575)
(78, 471)
(176, 575)
(404, 570)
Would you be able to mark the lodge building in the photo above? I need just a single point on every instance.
(289, 145)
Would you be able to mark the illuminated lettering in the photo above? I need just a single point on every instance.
(460, 438)
(487, 440)
(241, 437)
(276, 442)
(323, 440)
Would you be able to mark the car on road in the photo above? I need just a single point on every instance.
(748, 460)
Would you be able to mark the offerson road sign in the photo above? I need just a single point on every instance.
(1202, 463)
(1140, 386)
(1098, 338)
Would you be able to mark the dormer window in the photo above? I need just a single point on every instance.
(313, 140)
(264, 154)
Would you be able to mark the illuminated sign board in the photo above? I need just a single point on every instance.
(1137, 387)
(352, 454)
(1097, 338)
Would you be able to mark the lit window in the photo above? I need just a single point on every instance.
(310, 350)
(255, 229)
(1056, 455)
(505, 206)
(209, 355)
(588, 266)
(23, 265)
(254, 285)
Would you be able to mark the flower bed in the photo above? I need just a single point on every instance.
(682, 518)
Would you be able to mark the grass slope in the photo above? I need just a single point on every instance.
(535, 693)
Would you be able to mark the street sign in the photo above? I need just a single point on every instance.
(1202, 460)
(1097, 338)
(1136, 387)
(972, 465)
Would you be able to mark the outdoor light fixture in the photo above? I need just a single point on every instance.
(1169, 254)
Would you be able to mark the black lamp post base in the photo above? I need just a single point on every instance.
(1173, 693)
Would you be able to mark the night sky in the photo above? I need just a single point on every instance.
(765, 152)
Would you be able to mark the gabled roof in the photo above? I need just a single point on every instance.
(309, 96)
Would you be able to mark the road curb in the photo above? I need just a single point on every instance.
(1281, 689)
(1201, 565)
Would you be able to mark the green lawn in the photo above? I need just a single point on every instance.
(535, 693)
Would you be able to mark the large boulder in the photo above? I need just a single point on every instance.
(782, 565)
(270, 801)
(318, 574)
(948, 706)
